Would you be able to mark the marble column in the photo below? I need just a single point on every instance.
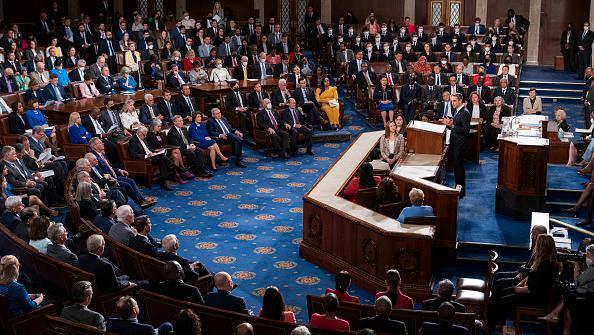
(534, 32)
(409, 10)
(326, 11)
(578, 25)
(180, 7)
(481, 11)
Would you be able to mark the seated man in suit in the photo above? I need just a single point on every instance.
(223, 298)
(284, 68)
(269, 120)
(175, 78)
(122, 231)
(461, 78)
(238, 103)
(55, 92)
(381, 322)
(109, 278)
(149, 110)
(105, 219)
(7, 83)
(142, 241)
(220, 130)
(484, 92)
(453, 86)
(110, 117)
(507, 93)
(178, 136)
(262, 70)
(57, 249)
(293, 116)
(105, 83)
(186, 104)
(82, 294)
(167, 108)
(430, 94)
(116, 177)
(280, 96)
(306, 99)
(126, 322)
(444, 293)
(174, 287)
(192, 270)
(444, 107)
(257, 97)
(19, 175)
(140, 149)
(410, 95)
(446, 312)
(417, 197)
(511, 79)
(78, 74)
(92, 123)
(11, 217)
(365, 78)
(243, 71)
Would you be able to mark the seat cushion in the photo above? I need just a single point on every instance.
(470, 297)
(470, 284)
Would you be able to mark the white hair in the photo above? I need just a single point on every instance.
(81, 163)
(94, 242)
(13, 201)
(123, 211)
(301, 330)
(169, 242)
(147, 96)
(54, 230)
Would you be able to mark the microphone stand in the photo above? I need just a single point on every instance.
(139, 79)
(219, 78)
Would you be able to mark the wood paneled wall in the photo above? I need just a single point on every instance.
(555, 15)
(384, 10)
(498, 9)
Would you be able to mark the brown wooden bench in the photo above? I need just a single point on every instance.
(25, 324)
(56, 325)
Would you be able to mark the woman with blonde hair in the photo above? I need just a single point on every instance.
(88, 208)
(19, 302)
(127, 83)
(132, 57)
(129, 116)
(76, 131)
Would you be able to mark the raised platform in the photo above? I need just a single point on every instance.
(340, 135)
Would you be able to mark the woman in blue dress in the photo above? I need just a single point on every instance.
(126, 81)
(19, 301)
(76, 131)
(198, 133)
(34, 117)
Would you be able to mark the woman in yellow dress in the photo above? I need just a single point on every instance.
(327, 97)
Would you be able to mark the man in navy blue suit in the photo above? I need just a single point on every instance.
(477, 28)
(223, 298)
(54, 92)
(105, 219)
(126, 321)
(410, 94)
(118, 176)
(11, 217)
(446, 324)
(221, 130)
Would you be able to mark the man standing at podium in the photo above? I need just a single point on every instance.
(459, 125)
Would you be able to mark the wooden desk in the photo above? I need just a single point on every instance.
(473, 154)
(424, 172)
(425, 137)
(201, 91)
(522, 176)
(58, 113)
(558, 150)
(341, 235)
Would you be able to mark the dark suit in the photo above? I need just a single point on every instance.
(144, 244)
(254, 101)
(511, 80)
(133, 327)
(434, 303)
(61, 253)
(177, 289)
(313, 115)
(432, 328)
(293, 118)
(257, 70)
(195, 158)
(104, 223)
(215, 130)
(105, 85)
(459, 89)
(409, 96)
(568, 48)
(280, 138)
(465, 79)
(107, 275)
(167, 110)
(10, 220)
(383, 325)
(430, 95)
(74, 75)
(485, 94)
(137, 151)
(69, 63)
(16, 67)
(584, 56)
(224, 300)
(440, 109)
(16, 124)
(361, 81)
(172, 80)
(190, 274)
(184, 108)
(4, 84)
(51, 94)
(145, 114)
(509, 96)
(238, 73)
(82, 314)
(277, 98)
(460, 130)
(452, 58)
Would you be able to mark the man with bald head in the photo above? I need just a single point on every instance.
(381, 322)
(192, 270)
(173, 286)
(223, 298)
(244, 329)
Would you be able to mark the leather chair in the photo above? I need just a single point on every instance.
(70, 151)
(137, 167)
(392, 210)
(421, 220)
(56, 325)
(477, 284)
(367, 197)
(7, 137)
(28, 323)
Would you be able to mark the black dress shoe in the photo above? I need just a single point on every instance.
(584, 223)
(310, 152)
(240, 164)
(202, 172)
(166, 187)
(284, 155)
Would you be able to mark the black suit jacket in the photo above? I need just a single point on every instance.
(287, 118)
(4, 84)
(144, 245)
(177, 289)
(407, 94)
(106, 273)
(74, 75)
(215, 130)
(182, 105)
(383, 325)
(432, 328)
(16, 125)
(277, 98)
(89, 126)
(264, 121)
(233, 101)
(68, 63)
(509, 97)
(461, 126)
(175, 138)
(485, 93)
(362, 82)
(585, 41)
(440, 109)
(433, 305)
(135, 148)
(105, 86)
(298, 95)
(253, 101)
(189, 274)
(238, 72)
(163, 110)
(224, 300)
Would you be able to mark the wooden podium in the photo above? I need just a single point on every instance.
(522, 175)
(425, 137)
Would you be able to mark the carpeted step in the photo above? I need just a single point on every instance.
(479, 252)
(562, 195)
(340, 135)
(543, 85)
(554, 98)
(556, 92)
